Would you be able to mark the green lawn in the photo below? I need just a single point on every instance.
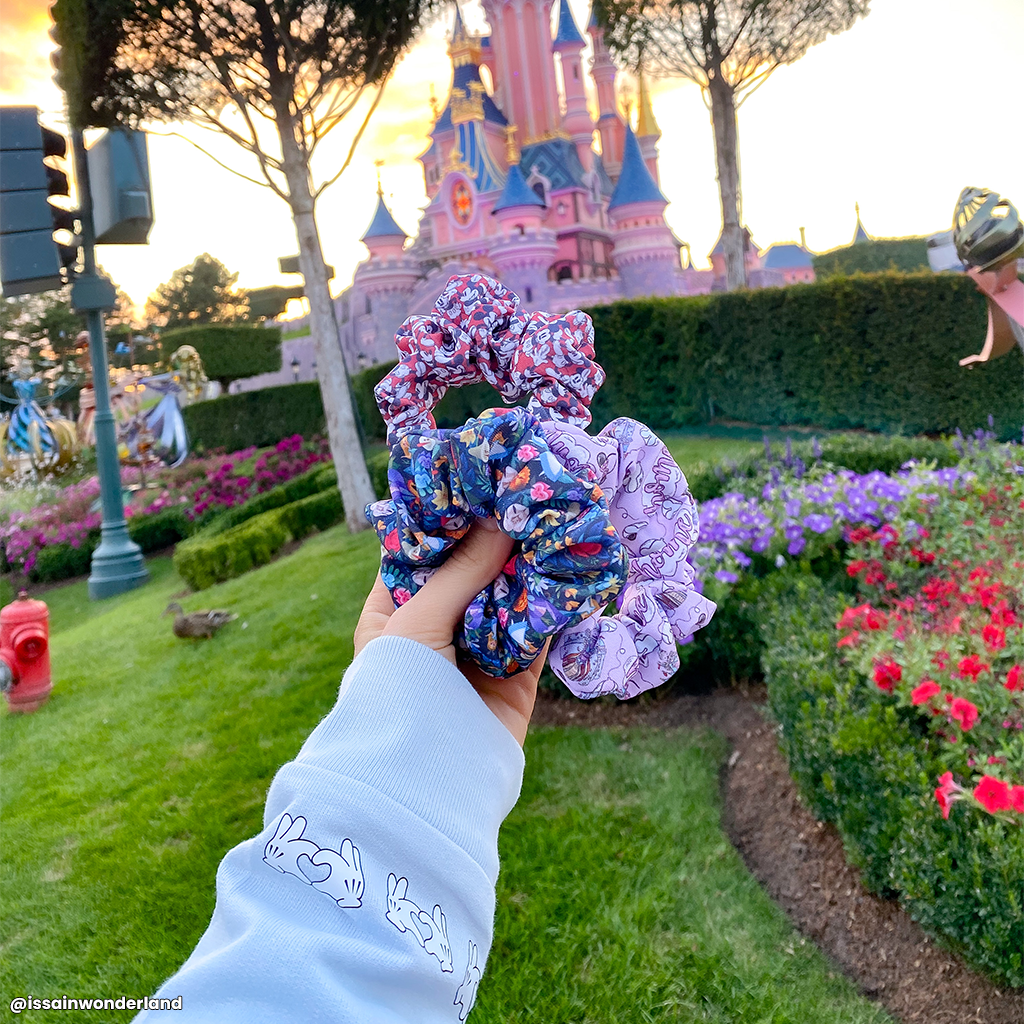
(620, 897)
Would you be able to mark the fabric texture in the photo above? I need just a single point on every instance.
(476, 332)
(369, 895)
(569, 564)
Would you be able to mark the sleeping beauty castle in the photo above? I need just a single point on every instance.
(523, 185)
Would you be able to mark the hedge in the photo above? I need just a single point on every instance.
(863, 766)
(204, 561)
(908, 255)
(879, 353)
(229, 352)
(258, 418)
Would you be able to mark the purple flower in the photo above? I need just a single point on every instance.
(818, 523)
(724, 576)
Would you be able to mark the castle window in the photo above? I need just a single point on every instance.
(521, 229)
(529, 293)
(538, 187)
(369, 306)
(575, 72)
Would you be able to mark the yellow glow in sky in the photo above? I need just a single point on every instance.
(916, 101)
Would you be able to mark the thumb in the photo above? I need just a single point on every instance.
(431, 616)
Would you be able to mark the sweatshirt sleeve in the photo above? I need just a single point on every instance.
(369, 894)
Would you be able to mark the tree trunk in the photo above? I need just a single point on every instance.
(342, 431)
(723, 122)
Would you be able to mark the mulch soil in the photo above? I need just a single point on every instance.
(800, 863)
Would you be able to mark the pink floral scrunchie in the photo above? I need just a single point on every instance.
(477, 333)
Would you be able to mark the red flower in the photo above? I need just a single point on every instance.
(861, 533)
(964, 712)
(856, 567)
(946, 793)
(1004, 615)
(993, 795)
(923, 693)
(874, 618)
(887, 675)
(994, 637)
(1017, 798)
(940, 660)
(971, 667)
(1015, 678)
(849, 641)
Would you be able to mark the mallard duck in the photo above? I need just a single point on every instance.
(197, 624)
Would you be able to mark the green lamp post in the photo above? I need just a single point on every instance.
(117, 564)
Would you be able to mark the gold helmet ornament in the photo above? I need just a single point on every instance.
(987, 229)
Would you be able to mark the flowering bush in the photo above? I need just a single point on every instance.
(942, 627)
(202, 488)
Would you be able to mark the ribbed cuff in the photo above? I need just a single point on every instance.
(410, 725)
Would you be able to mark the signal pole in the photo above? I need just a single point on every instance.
(117, 564)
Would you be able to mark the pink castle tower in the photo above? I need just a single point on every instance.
(646, 251)
(577, 124)
(610, 123)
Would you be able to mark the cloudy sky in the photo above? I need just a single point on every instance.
(916, 101)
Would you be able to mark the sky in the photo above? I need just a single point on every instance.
(916, 101)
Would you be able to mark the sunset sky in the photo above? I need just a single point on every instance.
(916, 101)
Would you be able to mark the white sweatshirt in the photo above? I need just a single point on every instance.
(369, 894)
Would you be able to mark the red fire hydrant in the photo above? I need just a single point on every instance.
(25, 653)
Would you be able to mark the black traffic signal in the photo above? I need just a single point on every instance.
(31, 258)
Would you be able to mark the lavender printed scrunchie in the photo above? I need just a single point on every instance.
(476, 333)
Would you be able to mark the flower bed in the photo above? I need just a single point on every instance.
(55, 539)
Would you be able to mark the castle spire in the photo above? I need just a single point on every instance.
(646, 126)
(636, 184)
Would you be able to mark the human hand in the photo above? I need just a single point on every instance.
(431, 616)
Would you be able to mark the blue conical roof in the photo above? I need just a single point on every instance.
(383, 224)
(635, 184)
(516, 192)
(568, 33)
(593, 23)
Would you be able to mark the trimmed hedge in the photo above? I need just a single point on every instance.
(862, 765)
(879, 353)
(907, 255)
(229, 352)
(258, 418)
(204, 561)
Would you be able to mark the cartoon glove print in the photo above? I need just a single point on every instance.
(465, 997)
(345, 882)
(429, 931)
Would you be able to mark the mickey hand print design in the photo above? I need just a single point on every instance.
(465, 997)
(429, 931)
(337, 875)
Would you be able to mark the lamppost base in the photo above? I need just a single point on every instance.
(115, 569)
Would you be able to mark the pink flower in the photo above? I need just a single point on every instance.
(401, 595)
(994, 637)
(993, 795)
(1015, 678)
(964, 712)
(527, 452)
(923, 693)
(540, 491)
(503, 616)
(947, 792)
(1017, 798)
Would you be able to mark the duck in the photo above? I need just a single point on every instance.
(198, 624)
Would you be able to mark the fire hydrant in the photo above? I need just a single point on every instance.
(25, 653)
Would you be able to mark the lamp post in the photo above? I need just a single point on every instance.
(295, 369)
(117, 564)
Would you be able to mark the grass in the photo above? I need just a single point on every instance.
(620, 897)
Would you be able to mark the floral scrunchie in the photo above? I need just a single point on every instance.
(569, 563)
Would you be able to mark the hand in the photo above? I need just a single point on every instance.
(437, 608)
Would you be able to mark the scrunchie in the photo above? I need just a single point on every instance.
(570, 564)
(476, 333)
(655, 516)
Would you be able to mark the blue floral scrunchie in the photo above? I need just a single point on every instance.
(569, 562)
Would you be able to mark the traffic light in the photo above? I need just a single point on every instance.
(31, 258)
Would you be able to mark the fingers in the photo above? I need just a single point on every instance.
(431, 616)
(376, 611)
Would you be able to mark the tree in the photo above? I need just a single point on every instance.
(729, 48)
(275, 77)
(201, 293)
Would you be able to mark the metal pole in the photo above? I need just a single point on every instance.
(117, 564)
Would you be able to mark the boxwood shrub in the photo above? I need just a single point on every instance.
(205, 560)
(867, 767)
(229, 351)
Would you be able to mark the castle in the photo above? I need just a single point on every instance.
(523, 185)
